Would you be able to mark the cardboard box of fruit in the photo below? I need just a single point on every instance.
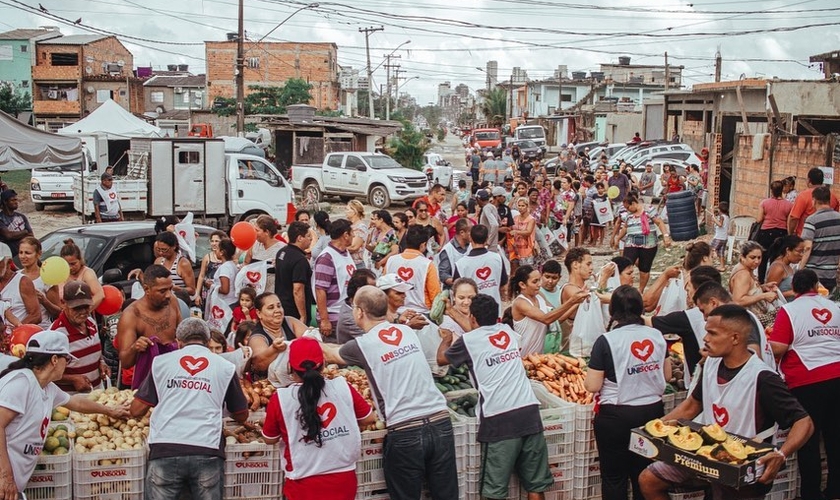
(709, 451)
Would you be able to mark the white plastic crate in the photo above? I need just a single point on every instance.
(669, 401)
(369, 473)
(562, 469)
(587, 476)
(459, 431)
(473, 488)
(679, 397)
(124, 480)
(558, 418)
(686, 494)
(584, 429)
(52, 479)
(372, 495)
(253, 470)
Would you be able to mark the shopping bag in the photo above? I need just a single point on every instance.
(543, 237)
(673, 298)
(238, 358)
(553, 339)
(588, 326)
(603, 211)
(219, 313)
(560, 236)
(253, 275)
(429, 337)
(185, 232)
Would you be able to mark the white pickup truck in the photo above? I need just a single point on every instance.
(375, 177)
(196, 175)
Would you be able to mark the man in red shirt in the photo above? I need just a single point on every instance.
(806, 338)
(434, 200)
(804, 204)
(88, 370)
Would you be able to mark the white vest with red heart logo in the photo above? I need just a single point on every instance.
(638, 354)
(400, 373)
(816, 330)
(191, 384)
(344, 269)
(340, 438)
(111, 200)
(498, 370)
(763, 344)
(731, 405)
(414, 271)
(486, 271)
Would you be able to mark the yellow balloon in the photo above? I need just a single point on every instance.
(613, 192)
(55, 270)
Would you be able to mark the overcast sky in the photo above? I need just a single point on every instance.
(449, 39)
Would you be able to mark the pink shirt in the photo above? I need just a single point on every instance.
(775, 213)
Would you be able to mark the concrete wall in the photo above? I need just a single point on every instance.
(793, 156)
(620, 127)
(18, 69)
(807, 98)
(222, 125)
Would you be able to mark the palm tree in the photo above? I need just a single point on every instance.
(494, 107)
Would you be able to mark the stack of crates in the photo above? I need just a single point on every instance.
(689, 494)
(369, 473)
(253, 470)
(110, 475)
(587, 466)
(669, 401)
(52, 479)
(785, 485)
(558, 418)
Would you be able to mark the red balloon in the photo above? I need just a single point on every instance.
(20, 337)
(243, 235)
(113, 301)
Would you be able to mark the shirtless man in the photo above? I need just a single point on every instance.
(147, 327)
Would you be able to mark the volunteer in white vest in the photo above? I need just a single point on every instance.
(106, 200)
(742, 395)
(628, 370)
(509, 426)
(413, 267)
(318, 421)
(27, 399)
(331, 274)
(483, 266)
(420, 445)
(806, 336)
(189, 388)
(455, 249)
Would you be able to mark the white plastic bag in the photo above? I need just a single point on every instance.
(673, 298)
(429, 337)
(254, 275)
(560, 236)
(588, 326)
(542, 240)
(219, 313)
(185, 232)
(603, 211)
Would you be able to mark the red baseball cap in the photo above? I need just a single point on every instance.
(305, 349)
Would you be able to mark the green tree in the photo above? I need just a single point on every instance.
(433, 115)
(12, 102)
(408, 146)
(494, 107)
(296, 91)
(267, 100)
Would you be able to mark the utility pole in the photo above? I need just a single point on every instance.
(240, 71)
(367, 32)
(388, 67)
(718, 65)
(559, 93)
(397, 79)
(665, 100)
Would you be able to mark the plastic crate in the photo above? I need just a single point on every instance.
(369, 473)
(688, 494)
(124, 480)
(562, 469)
(587, 476)
(473, 488)
(669, 401)
(253, 470)
(558, 418)
(472, 447)
(373, 495)
(459, 430)
(52, 479)
(584, 429)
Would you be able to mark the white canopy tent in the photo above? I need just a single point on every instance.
(114, 122)
(23, 147)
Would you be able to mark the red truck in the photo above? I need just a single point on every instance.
(488, 139)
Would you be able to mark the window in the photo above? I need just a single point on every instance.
(186, 97)
(156, 96)
(249, 169)
(24, 48)
(334, 161)
(24, 83)
(64, 59)
(187, 157)
(354, 163)
(103, 95)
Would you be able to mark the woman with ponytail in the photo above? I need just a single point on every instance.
(318, 421)
(28, 397)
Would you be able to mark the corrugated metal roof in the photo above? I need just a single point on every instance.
(75, 40)
(176, 81)
(26, 34)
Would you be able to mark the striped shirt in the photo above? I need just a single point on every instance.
(823, 230)
(85, 346)
(635, 237)
(326, 279)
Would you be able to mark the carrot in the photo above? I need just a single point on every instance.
(548, 386)
(569, 360)
(540, 375)
(533, 358)
(548, 372)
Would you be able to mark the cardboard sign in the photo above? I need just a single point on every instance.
(828, 175)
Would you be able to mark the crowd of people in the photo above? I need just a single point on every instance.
(502, 271)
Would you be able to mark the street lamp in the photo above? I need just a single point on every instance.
(240, 60)
(400, 85)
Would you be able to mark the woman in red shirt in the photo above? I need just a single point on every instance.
(318, 421)
(773, 216)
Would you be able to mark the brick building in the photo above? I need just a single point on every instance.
(272, 64)
(74, 74)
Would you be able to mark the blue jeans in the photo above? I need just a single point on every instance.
(202, 476)
(424, 452)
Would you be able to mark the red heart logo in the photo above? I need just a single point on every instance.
(44, 424)
(217, 312)
(328, 412)
(253, 276)
(113, 195)
(194, 365)
(500, 340)
(183, 234)
(603, 210)
(406, 273)
(350, 269)
(642, 350)
(483, 273)
(391, 336)
(821, 315)
(720, 414)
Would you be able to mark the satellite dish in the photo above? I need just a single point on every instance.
(88, 70)
(90, 89)
(89, 59)
(160, 110)
(120, 63)
(743, 76)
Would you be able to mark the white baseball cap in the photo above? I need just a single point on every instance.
(50, 342)
(499, 191)
(5, 251)
(392, 281)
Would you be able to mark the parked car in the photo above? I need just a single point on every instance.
(114, 249)
(607, 149)
(534, 133)
(53, 185)
(530, 149)
(682, 169)
(437, 170)
(682, 155)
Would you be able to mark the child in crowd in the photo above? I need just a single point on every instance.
(217, 344)
(721, 233)
(245, 310)
(596, 229)
(551, 273)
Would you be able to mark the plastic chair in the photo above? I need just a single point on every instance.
(740, 232)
